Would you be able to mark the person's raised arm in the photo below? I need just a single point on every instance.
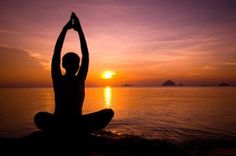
(84, 49)
(56, 59)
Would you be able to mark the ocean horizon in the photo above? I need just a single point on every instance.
(122, 86)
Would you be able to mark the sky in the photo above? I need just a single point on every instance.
(143, 42)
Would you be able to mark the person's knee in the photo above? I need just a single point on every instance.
(38, 117)
(110, 112)
(41, 118)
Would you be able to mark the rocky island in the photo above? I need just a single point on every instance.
(169, 83)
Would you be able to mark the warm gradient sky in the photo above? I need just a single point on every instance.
(144, 41)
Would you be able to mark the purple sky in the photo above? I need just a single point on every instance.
(144, 41)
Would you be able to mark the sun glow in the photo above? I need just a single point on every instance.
(108, 74)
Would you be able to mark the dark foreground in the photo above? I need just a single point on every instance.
(106, 144)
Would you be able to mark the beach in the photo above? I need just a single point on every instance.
(108, 144)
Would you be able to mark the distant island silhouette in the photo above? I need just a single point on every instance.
(223, 84)
(169, 83)
(126, 85)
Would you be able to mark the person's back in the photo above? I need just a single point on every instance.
(69, 89)
(69, 97)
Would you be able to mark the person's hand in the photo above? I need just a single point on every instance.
(68, 25)
(76, 24)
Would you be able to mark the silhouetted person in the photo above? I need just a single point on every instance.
(69, 90)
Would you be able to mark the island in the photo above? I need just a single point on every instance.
(223, 84)
(127, 85)
(169, 83)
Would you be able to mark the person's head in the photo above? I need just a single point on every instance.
(70, 62)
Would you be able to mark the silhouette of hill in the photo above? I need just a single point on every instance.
(223, 84)
(126, 85)
(169, 83)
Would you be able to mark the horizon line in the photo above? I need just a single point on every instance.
(147, 86)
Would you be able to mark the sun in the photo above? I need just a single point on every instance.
(108, 74)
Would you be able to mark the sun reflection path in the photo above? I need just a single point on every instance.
(107, 96)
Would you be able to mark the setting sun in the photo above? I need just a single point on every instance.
(108, 75)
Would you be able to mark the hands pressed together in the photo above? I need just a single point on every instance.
(73, 23)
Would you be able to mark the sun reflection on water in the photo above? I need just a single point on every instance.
(107, 96)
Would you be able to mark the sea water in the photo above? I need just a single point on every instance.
(168, 113)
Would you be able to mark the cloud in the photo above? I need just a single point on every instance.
(208, 67)
(45, 63)
(18, 67)
(230, 63)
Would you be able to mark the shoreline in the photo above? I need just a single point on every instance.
(106, 143)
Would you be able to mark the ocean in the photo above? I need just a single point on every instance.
(166, 113)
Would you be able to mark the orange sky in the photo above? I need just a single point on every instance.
(144, 42)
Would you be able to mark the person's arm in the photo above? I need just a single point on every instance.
(84, 49)
(56, 59)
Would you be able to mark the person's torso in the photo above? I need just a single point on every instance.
(69, 97)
